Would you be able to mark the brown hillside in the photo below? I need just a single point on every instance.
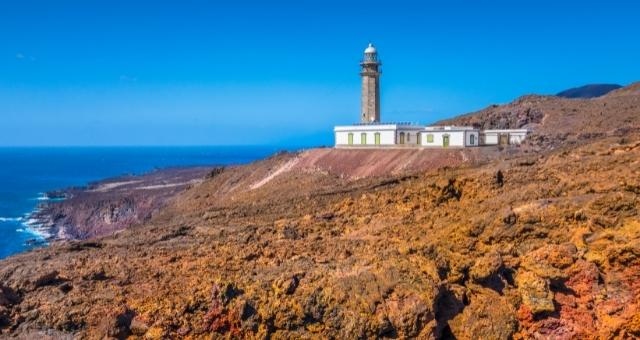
(564, 121)
(507, 244)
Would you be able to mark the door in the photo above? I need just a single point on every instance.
(401, 137)
(504, 139)
(377, 138)
(445, 141)
(419, 138)
(363, 138)
(350, 139)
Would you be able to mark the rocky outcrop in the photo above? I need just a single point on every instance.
(557, 121)
(107, 206)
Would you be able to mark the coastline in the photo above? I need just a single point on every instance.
(33, 221)
(107, 205)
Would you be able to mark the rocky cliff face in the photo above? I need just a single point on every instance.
(107, 206)
(560, 121)
(529, 242)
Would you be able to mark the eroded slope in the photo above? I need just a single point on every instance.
(550, 246)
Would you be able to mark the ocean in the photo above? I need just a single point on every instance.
(27, 173)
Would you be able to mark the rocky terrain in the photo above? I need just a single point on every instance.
(540, 241)
(561, 121)
(107, 206)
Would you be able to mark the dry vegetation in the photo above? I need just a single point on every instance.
(540, 241)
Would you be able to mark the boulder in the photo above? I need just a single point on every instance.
(535, 292)
(488, 316)
(486, 267)
(550, 261)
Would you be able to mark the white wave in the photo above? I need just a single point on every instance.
(36, 229)
(10, 219)
(32, 222)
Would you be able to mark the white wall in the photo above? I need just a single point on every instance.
(456, 138)
(517, 137)
(390, 135)
(410, 136)
(492, 137)
(387, 137)
(475, 135)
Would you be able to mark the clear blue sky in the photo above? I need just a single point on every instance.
(284, 72)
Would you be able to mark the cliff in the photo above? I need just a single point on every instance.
(107, 206)
(560, 121)
(536, 241)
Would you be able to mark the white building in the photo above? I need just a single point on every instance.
(370, 132)
(503, 137)
(446, 136)
(378, 134)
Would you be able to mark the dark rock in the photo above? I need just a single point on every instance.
(138, 327)
(327, 216)
(48, 279)
(314, 308)
(499, 178)
(226, 293)
(8, 296)
(449, 191)
(510, 218)
(65, 287)
(290, 232)
(99, 275)
(248, 316)
(5, 317)
(286, 285)
(215, 172)
(117, 325)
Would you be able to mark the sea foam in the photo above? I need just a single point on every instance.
(10, 219)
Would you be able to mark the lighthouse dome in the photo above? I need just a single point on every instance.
(370, 49)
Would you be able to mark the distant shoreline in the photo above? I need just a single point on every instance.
(110, 204)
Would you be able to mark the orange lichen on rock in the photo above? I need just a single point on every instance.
(537, 241)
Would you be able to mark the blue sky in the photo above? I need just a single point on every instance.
(284, 72)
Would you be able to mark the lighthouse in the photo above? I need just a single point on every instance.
(370, 73)
(371, 133)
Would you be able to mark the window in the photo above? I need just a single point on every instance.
(430, 138)
(363, 138)
(350, 138)
(408, 137)
(376, 137)
(472, 139)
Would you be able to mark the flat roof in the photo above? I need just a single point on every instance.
(506, 130)
(379, 126)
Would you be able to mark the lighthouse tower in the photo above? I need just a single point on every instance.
(370, 72)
